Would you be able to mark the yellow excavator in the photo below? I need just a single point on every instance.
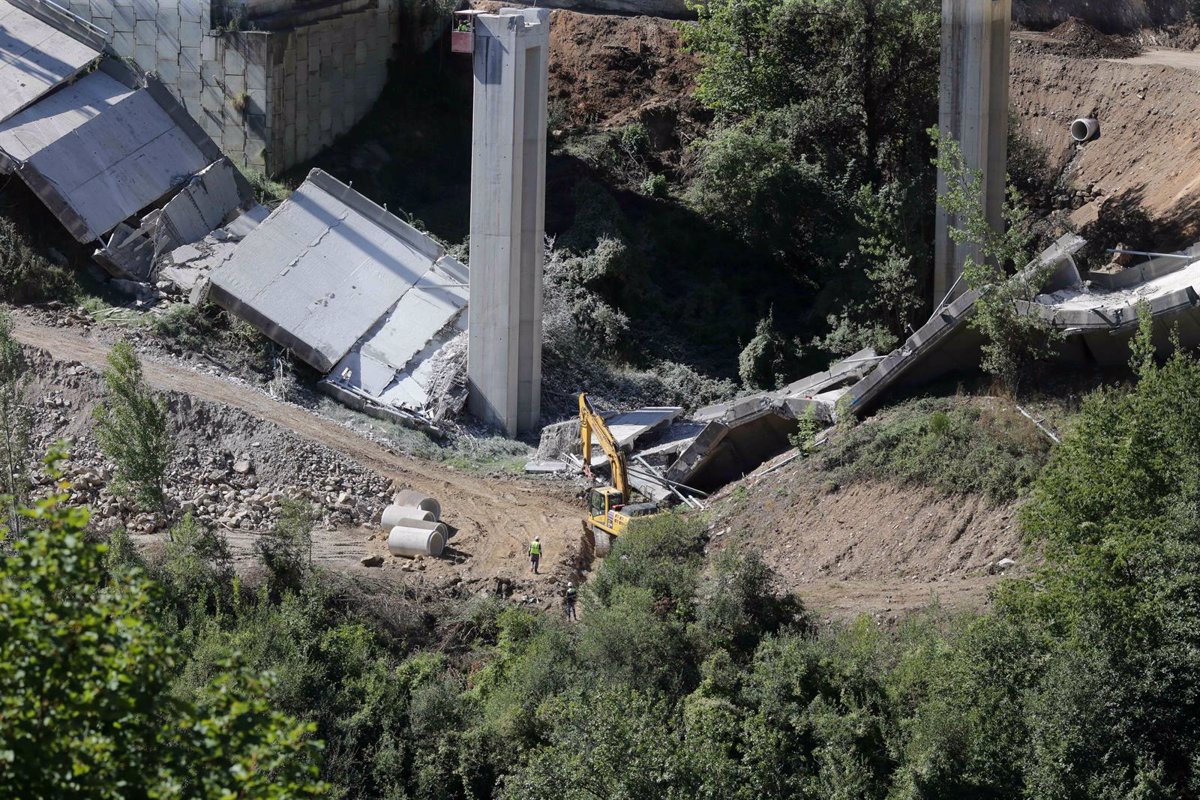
(609, 510)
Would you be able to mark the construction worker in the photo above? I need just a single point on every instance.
(569, 601)
(535, 553)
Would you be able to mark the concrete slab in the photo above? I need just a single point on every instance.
(323, 269)
(393, 362)
(35, 58)
(98, 152)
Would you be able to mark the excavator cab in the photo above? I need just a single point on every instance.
(603, 505)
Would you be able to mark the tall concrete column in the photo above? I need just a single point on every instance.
(974, 112)
(508, 209)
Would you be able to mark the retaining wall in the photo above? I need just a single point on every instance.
(270, 98)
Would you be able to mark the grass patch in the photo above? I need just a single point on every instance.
(492, 455)
(955, 445)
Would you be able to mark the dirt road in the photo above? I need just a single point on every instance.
(494, 518)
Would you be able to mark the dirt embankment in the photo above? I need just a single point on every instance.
(608, 71)
(1141, 178)
(870, 547)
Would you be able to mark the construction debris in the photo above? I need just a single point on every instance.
(727, 441)
(102, 149)
(353, 291)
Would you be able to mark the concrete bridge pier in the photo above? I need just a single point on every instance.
(974, 112)
(508, 208)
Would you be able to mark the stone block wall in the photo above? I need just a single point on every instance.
(270, 99)
(322, 78)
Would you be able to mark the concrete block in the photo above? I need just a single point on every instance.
(208, 48)
(145, 56)
(235, 64)
(167, 42)
(194, 11)
(235, 84)
(168, 73)
(123, 45)
(145, 32)
(233, 139)
(190, 87)
(256, 77)
(123, 20)
(191, 33)
(189, 60)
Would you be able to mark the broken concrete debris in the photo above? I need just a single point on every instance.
(353, 291)
(1097, 315)
(216, 195)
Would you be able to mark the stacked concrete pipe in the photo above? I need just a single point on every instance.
(413, 525)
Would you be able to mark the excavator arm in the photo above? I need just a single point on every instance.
(592, 423)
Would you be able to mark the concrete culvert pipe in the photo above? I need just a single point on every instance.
(392, 515)
(416, 537)
(1085, 129)
(414, 499)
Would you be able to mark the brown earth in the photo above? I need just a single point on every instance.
(891, 549)
(609, 71)
(1078, 39)
(1140, 180)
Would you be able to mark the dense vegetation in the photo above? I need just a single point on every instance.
(820, 154)
(957, 445)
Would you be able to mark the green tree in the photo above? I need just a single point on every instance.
(1014, 342)
(85, 709)
(856, 79)
(133, 430)
(769, 357)
(15, 425)
(286, 549)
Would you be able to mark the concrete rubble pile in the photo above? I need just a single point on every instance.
(1097, 315)
(109, 151)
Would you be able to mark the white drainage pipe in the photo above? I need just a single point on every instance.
(1085, 129)
(413, 499)
(415, 537)
(393, 514)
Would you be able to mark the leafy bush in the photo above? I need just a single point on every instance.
(25, 275)
(768, 358)
(85, 703)
(655, 185)
(955, 446)
(286, 550)
(749, 182)
(16, 426)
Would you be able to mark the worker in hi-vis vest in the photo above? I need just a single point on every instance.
(535, 553)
